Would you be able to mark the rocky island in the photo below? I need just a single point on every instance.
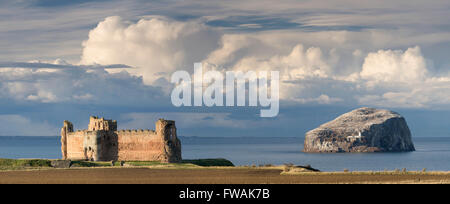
(361, 130)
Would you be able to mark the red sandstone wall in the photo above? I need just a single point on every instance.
(75, 148)
(139, 146)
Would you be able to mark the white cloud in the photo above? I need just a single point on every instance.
(432, 93)
(155, 45)
(230, 44)
(74, 84)
(402, 79)
(395, 66)
(298, 65)
(384, 78)
(325, 67)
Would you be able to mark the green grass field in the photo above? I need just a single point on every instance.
(18, 164)
(11, 164)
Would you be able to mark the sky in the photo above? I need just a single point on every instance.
(67, 60)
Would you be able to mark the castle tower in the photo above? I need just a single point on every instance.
(167, 131)
(96, 124)
(67, 128)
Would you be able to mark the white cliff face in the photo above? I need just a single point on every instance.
(362, 130)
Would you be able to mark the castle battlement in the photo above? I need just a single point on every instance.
(96, 123)
(140, 130)
(103, 142)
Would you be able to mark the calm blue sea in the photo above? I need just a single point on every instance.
(432, 153)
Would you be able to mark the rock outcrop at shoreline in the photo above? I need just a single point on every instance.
(362, 130)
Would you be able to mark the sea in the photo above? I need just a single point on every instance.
(433, 154)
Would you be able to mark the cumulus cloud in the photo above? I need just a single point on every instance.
(73, 84)
(155, 45)
(395, 66)
(396, 78)
(298, 71)
(324, 67)
(432, 93)
(230, 44)
(312, 75)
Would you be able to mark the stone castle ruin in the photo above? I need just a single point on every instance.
(103, 142)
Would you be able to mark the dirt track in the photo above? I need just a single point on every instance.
(202, 176)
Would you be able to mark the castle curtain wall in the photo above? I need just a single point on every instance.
(137, 145)
(75, 144)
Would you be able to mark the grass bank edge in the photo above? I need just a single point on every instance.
(46, 163)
